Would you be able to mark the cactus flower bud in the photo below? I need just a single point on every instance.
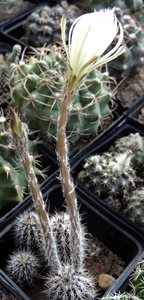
(89, 37)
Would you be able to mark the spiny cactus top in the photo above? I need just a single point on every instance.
(43, 25)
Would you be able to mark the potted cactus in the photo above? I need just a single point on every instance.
(118, 157)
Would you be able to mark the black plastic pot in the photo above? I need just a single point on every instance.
(102, 144)
(115, 234)
(134, 111)
(13, 28)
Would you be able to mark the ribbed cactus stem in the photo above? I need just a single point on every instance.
(76, 236)
(20, 141)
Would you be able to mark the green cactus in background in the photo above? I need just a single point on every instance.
(108, 174)
(12, 177)
(42, 26)
(132, 58)
(37, 94)
(135, 206)
(138, 281)
(127, 6)
(135, 143)
(6, 71)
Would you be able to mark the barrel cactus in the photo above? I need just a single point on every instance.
(12, 177)
(42, 26)
(108, 174)
(37, 92)
(6, 71)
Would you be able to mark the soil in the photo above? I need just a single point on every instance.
(100, 260)
(131, 88)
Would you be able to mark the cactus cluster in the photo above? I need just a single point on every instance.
(115, 176)
(37, 93)
(12, 177)
(6, 71)
(42, 26)
(108, 174)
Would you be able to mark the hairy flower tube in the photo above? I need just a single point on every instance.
(89, 37)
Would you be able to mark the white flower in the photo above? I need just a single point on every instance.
(89, 36)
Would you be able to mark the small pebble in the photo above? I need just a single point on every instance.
(105, 281)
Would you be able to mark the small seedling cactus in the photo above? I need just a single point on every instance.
(24, 267)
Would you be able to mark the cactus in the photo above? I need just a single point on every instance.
(27, 232)
(13, 180)
(10, 8)
(127, 6)
(6, 71)
(135, 206)
(42, 26)
(138, 280)
(132, 58)
(37, 94)
(135, 143)
(108, 174)
(69, 284)
(23, 267)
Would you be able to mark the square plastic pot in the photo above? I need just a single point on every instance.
(100, 145)
(121, 239)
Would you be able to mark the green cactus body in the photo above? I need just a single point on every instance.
(138, 281)
(37, 93)
(108, 174)
(43, 25)
(12, 176)
(135, 206)
(135, 143)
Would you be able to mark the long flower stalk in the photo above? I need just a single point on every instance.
(20, 141)
(88, 39)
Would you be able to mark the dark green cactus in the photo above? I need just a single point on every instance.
(108, 174)
(6, 71)
(12, 177)
(43, 25)
(38, 89)
(135, 206)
